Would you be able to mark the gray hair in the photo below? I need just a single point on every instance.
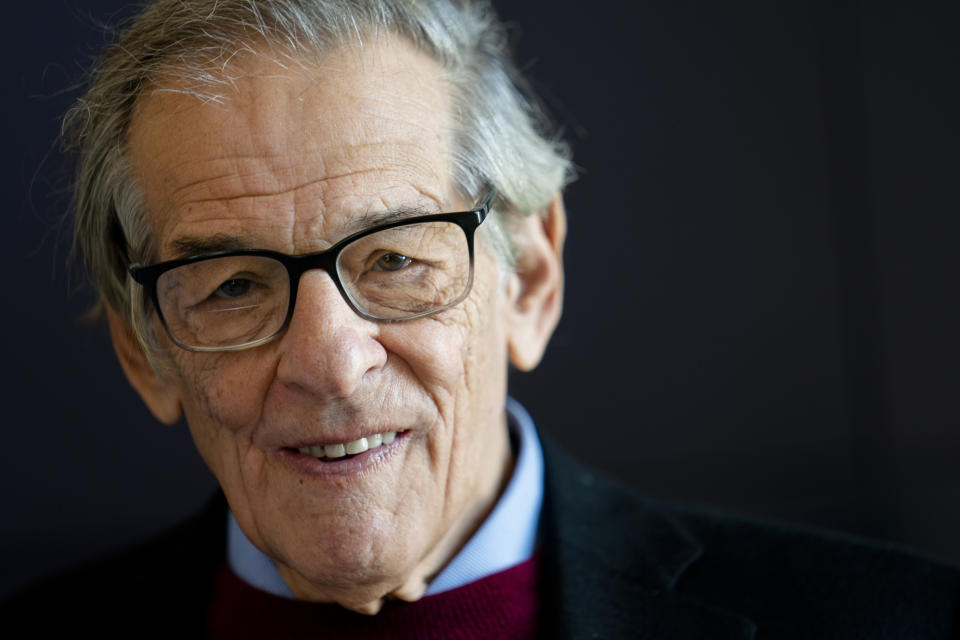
(501, 138)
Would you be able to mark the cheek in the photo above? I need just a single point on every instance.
(452, 353)
(459, 359)
(226, 390)
(432, 348)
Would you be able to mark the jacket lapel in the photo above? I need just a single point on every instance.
(611, 561)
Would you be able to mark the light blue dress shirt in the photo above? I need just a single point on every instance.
(506, 538)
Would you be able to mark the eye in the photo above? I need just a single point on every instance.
(233, 288)
(392, 262)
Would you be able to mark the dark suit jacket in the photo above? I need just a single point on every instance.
(615, 566)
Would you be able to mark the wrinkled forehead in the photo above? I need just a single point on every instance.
(289, 153)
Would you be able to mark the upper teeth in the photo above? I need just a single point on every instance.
(354, 446)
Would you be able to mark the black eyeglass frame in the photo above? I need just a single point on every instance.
(297, 265)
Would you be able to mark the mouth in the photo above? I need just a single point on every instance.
(346, 450)
(339, 461)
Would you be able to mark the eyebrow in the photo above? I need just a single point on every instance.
(375, 219)
(190, 246)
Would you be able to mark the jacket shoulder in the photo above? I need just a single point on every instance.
(747, 575)
(807, 581)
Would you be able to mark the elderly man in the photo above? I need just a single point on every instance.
(321, 229)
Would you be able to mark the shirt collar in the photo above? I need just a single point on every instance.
(506, 538)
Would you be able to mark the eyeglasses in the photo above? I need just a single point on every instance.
(232, 300)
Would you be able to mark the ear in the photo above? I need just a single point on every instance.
(536, 290)
(162, 401)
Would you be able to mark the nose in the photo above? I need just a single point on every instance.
(327, 349)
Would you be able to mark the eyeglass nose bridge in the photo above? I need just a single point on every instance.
(326, 261)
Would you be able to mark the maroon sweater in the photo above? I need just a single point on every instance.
(503, 605)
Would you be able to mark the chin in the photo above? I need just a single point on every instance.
(350, 564)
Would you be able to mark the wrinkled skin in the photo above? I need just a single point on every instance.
(287, 161)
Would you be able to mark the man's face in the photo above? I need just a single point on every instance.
(286, 162)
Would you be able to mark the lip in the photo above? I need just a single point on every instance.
(360, 464)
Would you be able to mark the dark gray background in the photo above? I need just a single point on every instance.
(762, 305)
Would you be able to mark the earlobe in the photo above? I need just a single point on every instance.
(537, 286)
(162, 402)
